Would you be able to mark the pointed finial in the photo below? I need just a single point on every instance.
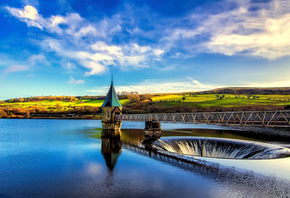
(112, 79)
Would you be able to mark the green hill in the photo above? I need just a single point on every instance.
(224, 99)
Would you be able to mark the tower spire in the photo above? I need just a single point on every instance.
(111, 98)
(112, 78)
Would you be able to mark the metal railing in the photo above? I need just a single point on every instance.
(274, 118)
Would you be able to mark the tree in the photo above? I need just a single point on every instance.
(287, 107)
(133, 98)
(183, 98)
(58, 107)
(2, 113)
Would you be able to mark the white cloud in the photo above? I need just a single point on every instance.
(52, 45)
(29, 15)
(101, 55)
(153, 86)
(103, 47)
(264, 32)
(28, 12)
(30, 63)
(37, 59)
(273, 42)
(86, 30)
(70, 66)
(158, 52)
(129, 55)
(168, 68)
(76, 25)
(75, 82)
(88, 43)
(15, 68)
(95, 68)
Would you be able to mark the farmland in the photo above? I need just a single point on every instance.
(82, 107)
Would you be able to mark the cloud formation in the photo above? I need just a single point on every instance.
(153, 86)
(72, 37)
(260, 32)
(264, 34)
(251, 28)
(73, 81)
(27, 66)
(15, 68)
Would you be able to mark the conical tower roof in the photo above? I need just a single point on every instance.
(112, 98)
(111, 160)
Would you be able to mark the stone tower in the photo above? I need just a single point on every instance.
(110, 108)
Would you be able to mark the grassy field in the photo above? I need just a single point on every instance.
(47, 103)
(197, 98)
(210, 100)
(173, 102)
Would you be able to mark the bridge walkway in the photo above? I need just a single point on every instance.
(274, 118)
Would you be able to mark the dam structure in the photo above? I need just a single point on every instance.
(112, 117)
(112, 108)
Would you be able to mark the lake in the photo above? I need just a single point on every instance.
(68, 158)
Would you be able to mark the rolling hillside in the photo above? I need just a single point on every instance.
(225, 99)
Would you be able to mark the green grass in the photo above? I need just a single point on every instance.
(197, 98)
(48, 104)
(198, 101)
(210, 100)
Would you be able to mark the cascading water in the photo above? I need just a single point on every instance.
(221, 148)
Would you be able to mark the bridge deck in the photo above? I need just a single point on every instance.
(276, 118)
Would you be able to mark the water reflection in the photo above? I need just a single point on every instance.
(219, 171)
(69, 158)
(111, 147)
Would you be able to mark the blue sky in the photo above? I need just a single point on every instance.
(71, 47)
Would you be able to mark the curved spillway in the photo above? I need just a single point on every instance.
(221, 148)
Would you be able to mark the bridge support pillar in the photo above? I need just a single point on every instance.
(152, 129)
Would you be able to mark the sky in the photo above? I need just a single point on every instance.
(71, 47)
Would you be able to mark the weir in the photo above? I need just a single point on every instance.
(221, 148)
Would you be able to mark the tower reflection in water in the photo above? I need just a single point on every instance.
(111, 147)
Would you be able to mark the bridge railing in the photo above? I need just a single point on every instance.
(261, 118)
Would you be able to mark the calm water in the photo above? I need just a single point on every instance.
(68, 158)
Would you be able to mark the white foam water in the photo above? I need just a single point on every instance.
(221, 148)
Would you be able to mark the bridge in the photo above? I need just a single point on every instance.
(112, 117)
(274, 118)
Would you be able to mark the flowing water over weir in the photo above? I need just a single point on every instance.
(221, 148)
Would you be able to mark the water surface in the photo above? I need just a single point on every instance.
(68, 158)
